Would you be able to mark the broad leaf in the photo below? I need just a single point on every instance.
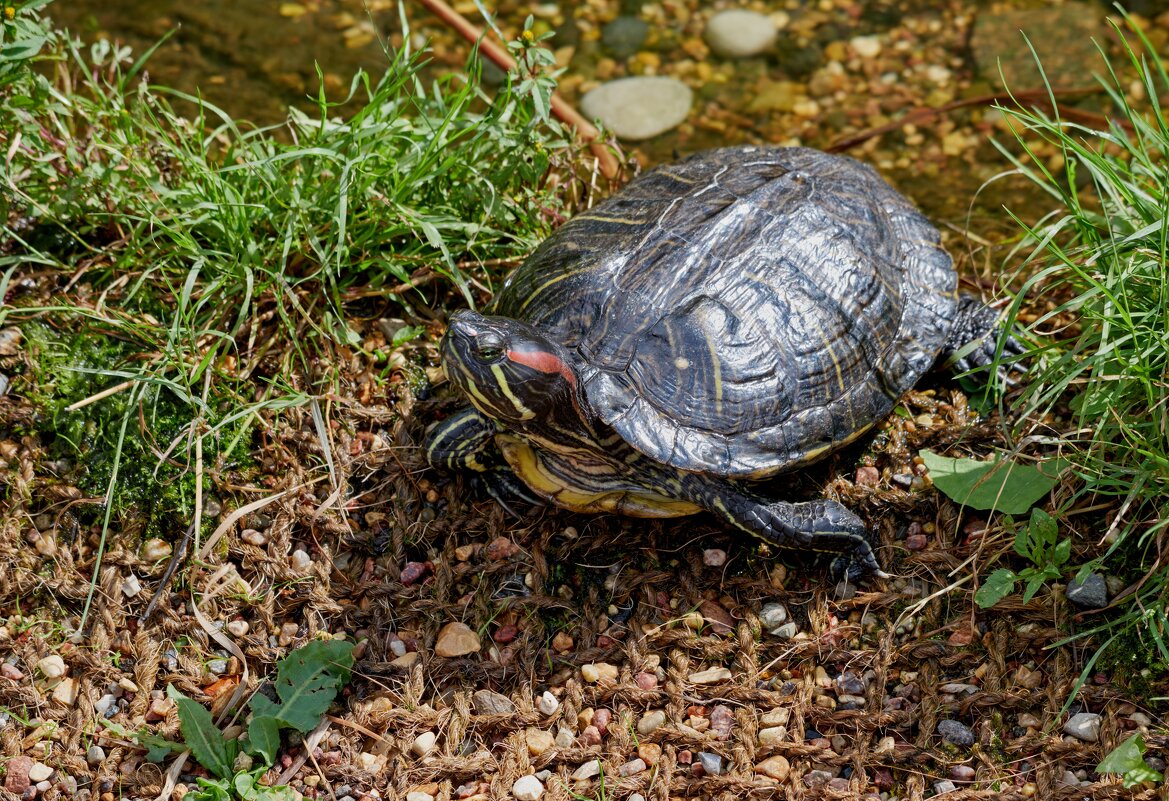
(1000, 485)
(203, 736)
(264, 737)
(1128, 759)
(1034, 584)
(307, 681)
(997, 586)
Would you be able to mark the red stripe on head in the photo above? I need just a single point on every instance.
(545, 362)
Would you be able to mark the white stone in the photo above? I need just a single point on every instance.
(710, 676)
(39, 772)
(418, 795)
(548, 703)
(301, 561)
(52, 666)
(739, 33)
(587, 771)
(131, 586)
(866, 46)
(640, 107)
(423, 743)
(65, 693)
(527, 788)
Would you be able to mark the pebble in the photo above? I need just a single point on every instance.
(418, 795)
(818, 778)
(1084, 726)
(39, 772)
(539, 741)
(237, 627)
(300, 560)
(564, 738)
(487, 702)
(95, 755)
(527, 788)
(866, 46)
(772, 735)
(501, 548)
(772, 616)
(1028, 721)
(956, 733)
(65, 693)
(739, 33)
(52, 666)
(778, 716)
(776, 767)
(1069, 779)
(103, 705)
(868, 476)
(711, 763)
(16, 779)
(412, 572)
(601, 719)
(217, 666)
(640, 107)
(155, 550)
(786, 631)
(590, 735)
(548, 703)
(962, 773)
(624, 36)
(456, 639)
(1092, 594)
(253, 537)
(651, 721)
(845, 591)
(848, 683)
(562, 642)
(722, 721)
(944, 786)
(424, 743)
(650, 753)
(600, 672)
(587, 771)
(646, 681)
(710, 676)
(10, 671)
(632, 767)
(714, 557)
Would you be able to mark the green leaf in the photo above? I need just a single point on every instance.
(1044, 528)
(1128, 759)
(997, 586)
(307, 681)
(210, 790)
(1062, 552)
(1034, 584)
(264, 737)
(202, 736)
(1000, 485)
(407, 333)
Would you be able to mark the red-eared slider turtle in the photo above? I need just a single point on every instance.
(737, 314)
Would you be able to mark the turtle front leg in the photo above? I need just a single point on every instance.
(973, 340)
(466, 441)
(821, 526)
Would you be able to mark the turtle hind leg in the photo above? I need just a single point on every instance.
(819, 526)
(973, 341)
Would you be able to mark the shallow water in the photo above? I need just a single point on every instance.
(255, 59)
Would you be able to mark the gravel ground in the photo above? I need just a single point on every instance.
(562, 654)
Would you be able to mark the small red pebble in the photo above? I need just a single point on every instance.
(605, 641)
(414, 571)
(697, 770)
(590, 736)
(505, 634)
(501, 548)
(601, 720)
(684, 757)
(916, 542)
(646, 681)
(696, 710)
(868, 476)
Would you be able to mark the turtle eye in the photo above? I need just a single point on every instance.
(489, 347)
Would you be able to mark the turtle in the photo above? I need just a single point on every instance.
(737, 314)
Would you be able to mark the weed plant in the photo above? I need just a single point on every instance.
(190, 275)
(1104, 370)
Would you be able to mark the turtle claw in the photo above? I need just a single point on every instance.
(508, 491)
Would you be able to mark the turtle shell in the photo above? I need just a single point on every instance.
(744, 310)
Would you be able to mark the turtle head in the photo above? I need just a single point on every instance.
(509, 371)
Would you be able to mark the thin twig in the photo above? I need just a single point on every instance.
(105, 393)
(502, 59)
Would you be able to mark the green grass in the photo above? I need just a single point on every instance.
(1100, 380)
(216, 274)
